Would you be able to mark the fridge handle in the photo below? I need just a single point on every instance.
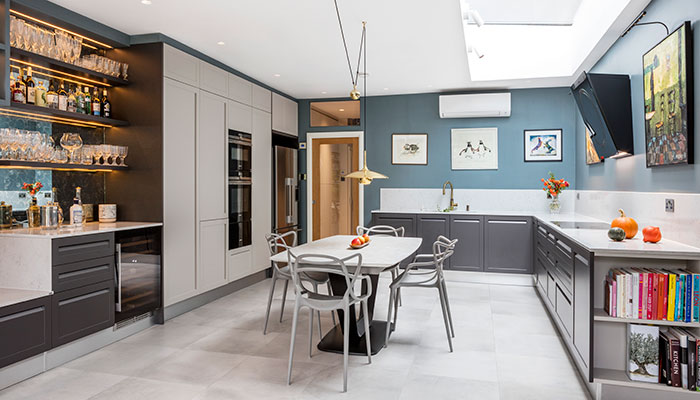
(118, 287)
(289, 199)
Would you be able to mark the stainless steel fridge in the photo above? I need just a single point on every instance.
(286, 188)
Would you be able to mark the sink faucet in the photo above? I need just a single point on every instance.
(453, 205)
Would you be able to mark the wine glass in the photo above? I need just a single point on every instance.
(71, 142)
(88, 152)
(14, 29)
(123, 151)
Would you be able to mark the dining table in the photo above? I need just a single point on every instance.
(381, 253)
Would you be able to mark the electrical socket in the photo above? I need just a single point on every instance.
(670, 205)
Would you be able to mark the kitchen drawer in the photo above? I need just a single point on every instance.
(563, 250)
(564, 271)
(541, 274)
(79, 312)
(25, 329)
(551, 289)
(82, 273)
(79, 248)
(565, 310)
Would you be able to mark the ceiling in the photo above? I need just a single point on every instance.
(413, 46)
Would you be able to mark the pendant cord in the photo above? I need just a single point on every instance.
(345, 45)
(364, 83)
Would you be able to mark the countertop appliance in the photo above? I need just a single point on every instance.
(239, 189)
(286, 186)
(138, 270)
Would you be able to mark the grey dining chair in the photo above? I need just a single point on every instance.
(275, 244)
(311, 298)
(384, 230)
(430, 276)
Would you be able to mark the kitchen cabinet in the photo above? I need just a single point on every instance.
(213, 79)
(79, 312)
(429, 227)
(78, 248)
(179, 191)
(261, 196)
(180, 66)
(239, 89)
(508, 244)
(582, 304)
(469, 251)
(25, 329)
(211, 157)
(239, 117)
(239, 264)
(211, 257)
(407, 221)
(284, 115)
(261, 98)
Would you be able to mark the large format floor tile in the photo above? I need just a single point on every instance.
(505, 347)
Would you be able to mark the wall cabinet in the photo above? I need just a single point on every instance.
(469, 252)
(285, 115)
(239, 117)
(212, 243)
(180, 66)
(261, 98)
(239, 89)
(508, 244)
(25, 329)
(213, 79)
(212, 146)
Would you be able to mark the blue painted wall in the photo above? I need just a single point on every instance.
(418, 113)
(625, 57)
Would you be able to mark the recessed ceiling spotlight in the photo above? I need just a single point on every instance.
(341, 109)
(430, 85)
(276, 75)
(220, 43)
(146, 2)
(324, 92)
(386, 88)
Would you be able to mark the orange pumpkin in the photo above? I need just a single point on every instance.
(626, 223)
(652, 234)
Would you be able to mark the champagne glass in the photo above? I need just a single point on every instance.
(71, 142)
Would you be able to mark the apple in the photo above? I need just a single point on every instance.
(365, 237)
(362, 239)
(356, 242)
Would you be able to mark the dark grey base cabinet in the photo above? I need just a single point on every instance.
(469, 252)
(25, 330)
(508, 244)
(430, 227)
(80, 312)
(407, 221)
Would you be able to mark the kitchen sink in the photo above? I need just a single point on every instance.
(581, 225)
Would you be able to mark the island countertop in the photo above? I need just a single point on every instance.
(89, 228)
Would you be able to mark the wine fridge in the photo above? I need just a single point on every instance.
(138, 272)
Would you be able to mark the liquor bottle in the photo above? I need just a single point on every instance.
(106, 105)
(86, 101)
(33, 214)
(96, 106)
(52, 97)
(40, 95)
(62, 98)
(72, 103)
(79, 100)
(77, 195)
(19, 91)
(76, 213)
(31, 89)
(57, 204)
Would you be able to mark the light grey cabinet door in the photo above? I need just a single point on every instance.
(429, 227)
(508, 244)
(469, 251)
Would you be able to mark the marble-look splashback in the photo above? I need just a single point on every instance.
(392, 199)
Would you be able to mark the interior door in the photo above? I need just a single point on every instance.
(335, 199)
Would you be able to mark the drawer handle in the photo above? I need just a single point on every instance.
(564, 246)
(509, 222)
(83, 271)
(21, 314)
(83, 246)
(83, 297)
(468, 221)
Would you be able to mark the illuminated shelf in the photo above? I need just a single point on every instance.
(29, 59)
(58, 116)
(18, 164)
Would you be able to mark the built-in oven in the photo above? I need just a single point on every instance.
(239, 220)
(239, 154)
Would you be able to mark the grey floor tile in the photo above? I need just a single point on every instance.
(62, 384)
(193, 367)
(138, 388)
(422, 387)
(122, 359)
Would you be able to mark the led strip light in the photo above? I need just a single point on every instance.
(62, 29)
(46, 118)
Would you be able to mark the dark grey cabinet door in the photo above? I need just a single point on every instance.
(508, 244)
(25, 329)
(408, 221)
(469, 251)
(429, 227)
(582, 305)
(80, 312)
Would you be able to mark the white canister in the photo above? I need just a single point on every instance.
(108, 212)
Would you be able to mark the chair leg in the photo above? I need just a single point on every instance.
(330, 293)
(291, 345)
(284, 298)
(269, 299)
(444, 316)
(394, 274)
(396, 306)
(388, 316)
(311, 329)
(368, 341)
(447, 304)
(320, 330)
(346, 345)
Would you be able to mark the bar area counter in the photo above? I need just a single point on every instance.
(89, 228)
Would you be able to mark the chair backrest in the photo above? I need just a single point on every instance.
(443, 248)
(381, 230)
(309, 263)
(277, 243)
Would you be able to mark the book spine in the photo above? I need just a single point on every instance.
(684, 361)
(692, 359)
(688, 301)
(635, 295)
(655, 297)
(628, 295)
(675, 362)
(664, 286)
(606, 290)
(679, 298)
(697, 365)
(671, 296)
(696, 297)
(650, 295)
(643, 295)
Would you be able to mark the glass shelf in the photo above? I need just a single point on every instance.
(19, 164)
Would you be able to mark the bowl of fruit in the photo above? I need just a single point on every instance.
(360, 242)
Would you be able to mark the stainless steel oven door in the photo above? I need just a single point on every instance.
(239, 213)
(239, 155)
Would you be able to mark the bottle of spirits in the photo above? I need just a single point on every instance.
(19, 92)
(78, 190)
(76, 213)
(87, 101)
(31, 87)
(62, 98)
(52, 97)
(96, 106)
(33, 214)
(40, 95)
(106, 105)
(72, 103)
(79, 100)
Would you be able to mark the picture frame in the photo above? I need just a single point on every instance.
(542, 145)
(668, 99)
(409, 149)
(474, 148)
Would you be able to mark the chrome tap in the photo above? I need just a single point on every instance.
(453, 205)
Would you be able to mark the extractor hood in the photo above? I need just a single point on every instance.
(604, 102)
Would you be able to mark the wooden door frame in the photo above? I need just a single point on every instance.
(310, 136)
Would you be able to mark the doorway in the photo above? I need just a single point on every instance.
(335, 201)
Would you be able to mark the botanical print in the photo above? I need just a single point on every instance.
(543, 145)
(643, 352)
(592, 156)
(474, 148)
(668, 101)
(409, 148)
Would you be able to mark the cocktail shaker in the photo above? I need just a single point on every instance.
(49, 216)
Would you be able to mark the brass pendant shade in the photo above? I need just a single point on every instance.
(365, 175)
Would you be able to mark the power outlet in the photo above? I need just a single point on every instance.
(670, 205)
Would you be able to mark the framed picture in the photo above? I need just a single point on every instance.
(592, 156)
(474, 148)
(668, 99)
(409, 148)
(543, 145)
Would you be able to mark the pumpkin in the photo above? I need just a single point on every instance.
(651, 234)
(616, 234)
(626, 223)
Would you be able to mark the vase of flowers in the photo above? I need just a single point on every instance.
(33, 211)
(554, 187)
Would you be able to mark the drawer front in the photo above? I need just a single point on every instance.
(79, 248)
(25, 329)
(565, 310)
(565, 274)
(551, 289)
(82, 273)
(79, 312)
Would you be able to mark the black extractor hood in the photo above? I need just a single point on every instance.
(605, 104)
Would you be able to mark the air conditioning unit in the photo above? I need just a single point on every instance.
(475, 105)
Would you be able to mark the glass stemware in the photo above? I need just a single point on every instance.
(71, 142)
(123, 151)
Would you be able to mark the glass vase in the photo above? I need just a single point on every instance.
(554, 205)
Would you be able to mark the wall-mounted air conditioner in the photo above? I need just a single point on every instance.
(475, 105)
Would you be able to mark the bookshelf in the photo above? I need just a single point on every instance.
(620, 378)
(600, 315)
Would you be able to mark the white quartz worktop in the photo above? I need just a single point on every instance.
(595, 240)
(68, 230)
(9, 297)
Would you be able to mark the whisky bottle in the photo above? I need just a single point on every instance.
(62, 98)
(52, 97)
(40, 95)
(106, 105)
(96, 106)
(87, 101)
(79, 100)
(31, 89)
(72, 104)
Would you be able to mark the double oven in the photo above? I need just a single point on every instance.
(239, 189)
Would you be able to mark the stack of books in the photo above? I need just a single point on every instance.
(653, 294)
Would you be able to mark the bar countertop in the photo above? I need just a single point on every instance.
(89, 228)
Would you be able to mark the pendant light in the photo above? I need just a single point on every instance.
(365, 175)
